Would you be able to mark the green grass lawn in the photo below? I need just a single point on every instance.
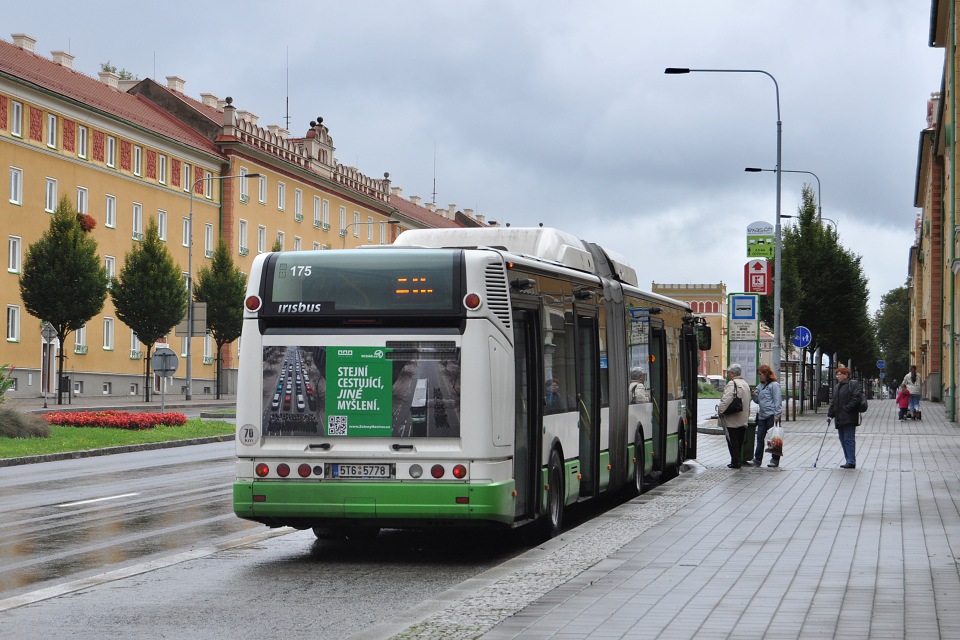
(63, 439)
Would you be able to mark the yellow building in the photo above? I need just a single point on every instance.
(709, 301)
(128, 151)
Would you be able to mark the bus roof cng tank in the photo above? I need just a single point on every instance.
(542, 243)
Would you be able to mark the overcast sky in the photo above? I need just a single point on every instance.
(530, 111)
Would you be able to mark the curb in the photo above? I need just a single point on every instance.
(91, 453)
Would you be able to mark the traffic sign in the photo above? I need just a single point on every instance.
(756, 277)
(802, 337)
(760, 240)
(164, 362)
(47, 331)
(881, 364)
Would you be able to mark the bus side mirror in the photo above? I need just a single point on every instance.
(703, 337)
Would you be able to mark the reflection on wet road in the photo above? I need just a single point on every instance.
(69, 519)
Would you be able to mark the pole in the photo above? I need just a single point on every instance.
(189, 395)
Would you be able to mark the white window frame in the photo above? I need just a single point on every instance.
(185, 233)
(297, 204)
(208, 240)
(207, 347)
(108, 334)
(187, 177)
(111, 152)
(281, 236)
(297, 243)
(13, 323)
(162, 169)
(261, 239)
(110, 211)
(137, 160)
(110, 265)
(14, 254)
(242, 237)
(383, 233)
(83, 200)
(244, 188)
(80, 340)
(137, 214)
(369, 228)
(81, 141)
(208, 185)
(51, 131)
(281, 196)
(183, 346)
(50, 199)
(263, 190)
(16, 118)
(316, 246)
(316, 212)
(343, 220)
(16, 185)
(162, 224)
(134, 343)
(326, 214)
(356, 224)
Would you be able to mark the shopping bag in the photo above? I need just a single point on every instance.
(775, 441)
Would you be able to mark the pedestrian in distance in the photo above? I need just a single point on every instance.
(903, 401)
(912, 380)
(767, 397)
(845, 411)
(734, 423)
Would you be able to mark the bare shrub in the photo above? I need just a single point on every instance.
(16, 424)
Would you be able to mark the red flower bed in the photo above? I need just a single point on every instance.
(115, 419)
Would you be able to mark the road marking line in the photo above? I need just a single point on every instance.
(80, 502)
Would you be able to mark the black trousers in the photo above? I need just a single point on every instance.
(735, 436)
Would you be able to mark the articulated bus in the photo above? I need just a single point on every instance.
(460, 377)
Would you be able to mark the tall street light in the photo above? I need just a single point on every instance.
(819, 208)
(343, 234)
(776, 238)
(193, 188)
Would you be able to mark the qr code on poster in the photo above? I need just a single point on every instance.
(337, 426)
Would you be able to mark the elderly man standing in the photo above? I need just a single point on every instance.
(735, 422)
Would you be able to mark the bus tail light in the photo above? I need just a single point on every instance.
(283, 469)
(472, 301)
(437, 471)
(416, 471)
(304, 470)
(460, 472)
(262, 470)
(252, 303)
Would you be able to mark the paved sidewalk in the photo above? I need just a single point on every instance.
(794, 552)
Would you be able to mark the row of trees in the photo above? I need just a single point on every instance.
(823, 288)
(64, 282)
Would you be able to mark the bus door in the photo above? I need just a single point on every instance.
(588, 401)
(689, 359)
(658, 393)
(529, 411)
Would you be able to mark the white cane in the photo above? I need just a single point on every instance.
(821, 444)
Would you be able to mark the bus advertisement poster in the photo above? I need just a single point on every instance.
(359, 392)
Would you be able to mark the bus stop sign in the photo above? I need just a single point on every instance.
(164, 362)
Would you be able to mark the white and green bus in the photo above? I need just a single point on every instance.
(460, 377)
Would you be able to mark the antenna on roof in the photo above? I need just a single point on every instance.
(287, 118)
(434, 172)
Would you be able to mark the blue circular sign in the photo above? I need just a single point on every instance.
(802, 337)
(881, 364)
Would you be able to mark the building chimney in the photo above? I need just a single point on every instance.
(415, 200)
(110, 79)
(432, 206)
(278, 131)
(62, 58)
(175, 83)
(478, 218)
(396, 191)
(23, 41)
(248, 116)
(209, 100)
(126, 85)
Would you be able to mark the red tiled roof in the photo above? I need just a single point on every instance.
(46, 74)
(430, 219)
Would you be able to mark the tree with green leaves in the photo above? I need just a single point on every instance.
(892, 321)
(63, 280)
(148, 294)
(222, 287)
(824, 289)
(277, 245)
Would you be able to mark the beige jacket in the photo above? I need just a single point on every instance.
(738, 386)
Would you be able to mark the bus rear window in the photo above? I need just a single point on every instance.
(374, 281)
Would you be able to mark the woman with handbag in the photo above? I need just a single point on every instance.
(733, 412)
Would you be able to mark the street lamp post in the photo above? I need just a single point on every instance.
(777, 241)
(819, 208)
(189, 395)
(343, 233)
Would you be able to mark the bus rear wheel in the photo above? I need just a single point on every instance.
(553, 518)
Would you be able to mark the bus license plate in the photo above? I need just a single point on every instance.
(361, 471)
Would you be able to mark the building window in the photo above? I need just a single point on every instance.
(51, 131)
(244, 188)
(137, 161)
(185, 237)
(162, 169)
(111, 151)
(13, 323)
(208, 185)
(296, 243)
(50, 201)
(111, 211)
(137, 221)
(369, 228)
(383, 233)
(207, 349)
(263, 189)
(80, 340)
(135, 352)
(242, 240)
(343, 220)
(82, 141)
(281, 196)
(316, 246)
(82, 201)
(326, 214)
(14, 244)
(110, 265)
(108, 334)
(162, 224)
(261, 239)
(280, 239)
(16, 118)
(187, 177)
(16, 185)
(298, 205)
(316, 211)
(208, 240)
